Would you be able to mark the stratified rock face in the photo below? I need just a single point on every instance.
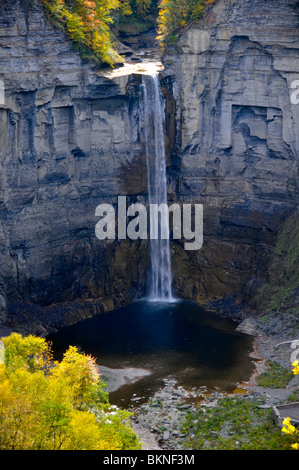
(72, 139)
(235, 143)
(69, 141)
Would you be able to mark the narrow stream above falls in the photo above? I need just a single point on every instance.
(138, 346)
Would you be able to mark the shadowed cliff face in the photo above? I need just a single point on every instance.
(234, 147)
(71, 139)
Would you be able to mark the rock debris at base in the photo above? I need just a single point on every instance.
(159, 421)
(163, 415)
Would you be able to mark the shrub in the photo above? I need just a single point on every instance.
(235, 423)
(87, 22)
(275, 376)
(176, 14)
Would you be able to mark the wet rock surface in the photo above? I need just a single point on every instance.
(164, 414)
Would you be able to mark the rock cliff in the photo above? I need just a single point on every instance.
(71, 138)
(67, 145)
(235, 140)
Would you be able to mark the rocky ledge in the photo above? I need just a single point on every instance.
(159, 421)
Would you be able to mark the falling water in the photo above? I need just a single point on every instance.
(161, 278)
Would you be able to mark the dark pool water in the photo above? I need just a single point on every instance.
(177, 340)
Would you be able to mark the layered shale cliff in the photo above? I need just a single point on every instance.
(235, 139)
(67, 145)
(71, 139)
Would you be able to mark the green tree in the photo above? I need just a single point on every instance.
(87, 22)
(176, 14)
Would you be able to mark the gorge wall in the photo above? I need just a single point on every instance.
(69, 141)
(235, 141)
(72, 138)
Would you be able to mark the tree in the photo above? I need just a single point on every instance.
(176, 14)
(51, 405)
(87, 22)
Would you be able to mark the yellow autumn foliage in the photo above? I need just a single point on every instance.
(288, 428)
(52, 405)
(176, 14)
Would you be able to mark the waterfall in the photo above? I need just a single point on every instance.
(160, 288)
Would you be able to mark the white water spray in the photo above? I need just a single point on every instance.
(161, 276)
